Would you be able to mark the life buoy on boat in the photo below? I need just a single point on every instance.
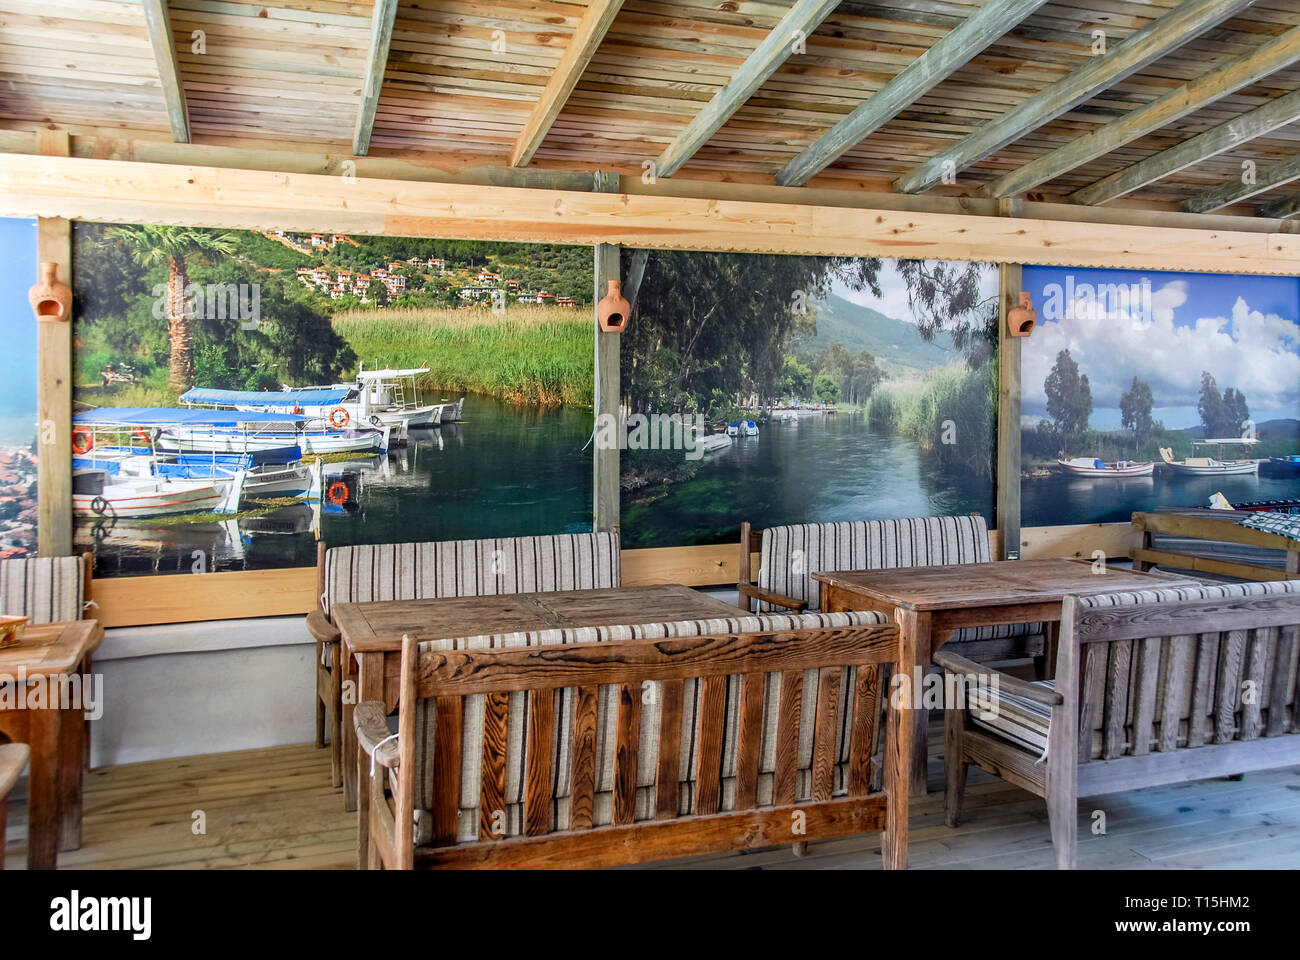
(143, 436)
(339, 493)
(83, 440)
(339, 418)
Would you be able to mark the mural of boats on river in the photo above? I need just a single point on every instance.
(18, 447)
(822, 389)
(240, 395)
(1149, 391)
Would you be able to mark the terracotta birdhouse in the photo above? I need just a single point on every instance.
(51, 299)
(613, 309)
(1022, 318)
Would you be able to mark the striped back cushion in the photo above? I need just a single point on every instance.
(791, 555)
(1203, 592)
(472, 725)
(47, 589)
(470, 568)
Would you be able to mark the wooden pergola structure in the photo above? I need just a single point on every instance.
(1152, 134)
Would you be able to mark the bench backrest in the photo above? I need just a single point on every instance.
(467, 568)
(790, 555)
(602, 737)
(1160, 670)
(47, 589)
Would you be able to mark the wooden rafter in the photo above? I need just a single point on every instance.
(927, 71)
(1242, 188)
(1281, 209)
(1239, 130)
(159, 24)
(1232, 76)
(582, 47)
(381, 36)
(802, 19)
(1153, 41)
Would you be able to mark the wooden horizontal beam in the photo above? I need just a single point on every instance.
(125, 192)
(800, 21)
(1243, 187)
(593, 26)
(1175, 28)
(951, 52)
(158, 23)
(1235, 132)
(1232, 76)
(1283, 208)
(381, 38)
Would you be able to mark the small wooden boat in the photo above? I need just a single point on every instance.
(1211, 466)
(1093, 467)
(1281, 466)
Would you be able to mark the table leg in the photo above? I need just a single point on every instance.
(920, 652)
(87, 673)
(72, 755)
(343, 732)
(43, 790)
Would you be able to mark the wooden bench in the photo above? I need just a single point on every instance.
(1150, 689)
(600, 746)
(1213, 543)
(450, 568)
(13, 757)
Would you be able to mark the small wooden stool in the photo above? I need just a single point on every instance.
(13, 757)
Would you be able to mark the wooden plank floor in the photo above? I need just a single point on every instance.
(275, 808)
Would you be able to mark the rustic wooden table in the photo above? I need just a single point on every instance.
(50, 654)
(931, 603)
(371, 637)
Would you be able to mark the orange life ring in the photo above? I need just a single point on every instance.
(338, 499)
(83, 440)
(143, 436)
(335, 422)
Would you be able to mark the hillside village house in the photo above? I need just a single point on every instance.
(846, 516)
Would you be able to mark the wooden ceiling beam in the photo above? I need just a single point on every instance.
(1232, 76)
(1282, 209)
(381, 38)
(582, 47)
(158, 22)
(1189, 19)
(1238, 130)
(801, 20)
(1242, 188)
(949, 53)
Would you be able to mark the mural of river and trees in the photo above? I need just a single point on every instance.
(1124, 364)
(871, 383)
(159, 310)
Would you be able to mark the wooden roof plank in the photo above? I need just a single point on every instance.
(1187, 20)
(1225, 136)
(1242, 188)
(1244, 70)
(582, 47)
(381, 35)
(158, 21)
(804, 17)
(927, 71)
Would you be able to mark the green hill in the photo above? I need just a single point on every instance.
(862, 328)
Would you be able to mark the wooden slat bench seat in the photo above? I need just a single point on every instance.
(13, 757)
(598, 746)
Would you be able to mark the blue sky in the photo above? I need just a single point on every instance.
(18, 356)
(1243, 329)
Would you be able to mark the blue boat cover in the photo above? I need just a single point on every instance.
(172, 417)
(313, 396)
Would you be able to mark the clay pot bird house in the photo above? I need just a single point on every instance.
(51, 298)
(613, 309)
(1022, 318)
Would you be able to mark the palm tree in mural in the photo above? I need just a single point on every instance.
(177, 248)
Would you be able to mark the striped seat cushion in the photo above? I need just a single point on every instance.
(472, 721)
(1204, 592)
(1012, 717)
(470, 568)
(47, 589)
(791, 555)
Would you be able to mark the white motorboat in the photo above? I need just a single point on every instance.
(1212, 466)
(1095, 467)
(202, 439)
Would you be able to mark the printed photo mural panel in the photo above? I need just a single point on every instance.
(239, 393)
(1150, 390)
(18, 446)
(853, 389)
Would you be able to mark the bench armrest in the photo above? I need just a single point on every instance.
(749, 590)
(370, 721)
(956, 663)
(320, 628)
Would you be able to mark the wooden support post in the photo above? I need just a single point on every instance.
(1008, 476)
(605, 462)
(54, 386)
